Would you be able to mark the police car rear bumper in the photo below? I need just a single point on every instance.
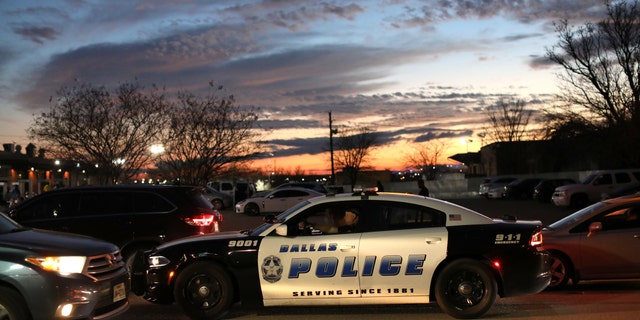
(527, 274)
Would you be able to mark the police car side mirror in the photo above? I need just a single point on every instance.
(281, 230)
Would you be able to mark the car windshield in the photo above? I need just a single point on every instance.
(281, 217)
(8, 225)
(577, 216)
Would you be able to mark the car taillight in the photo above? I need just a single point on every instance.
(536, 239)
(200, 220)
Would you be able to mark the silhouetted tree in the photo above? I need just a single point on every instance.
(601, 76)
(110, 130)
(352, 150)
(508, 121)
(426, 156)
(206, 134)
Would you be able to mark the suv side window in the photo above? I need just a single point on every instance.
(604, 178)
(50, 207)
(104, 203)
(151, 202)
(623, 177)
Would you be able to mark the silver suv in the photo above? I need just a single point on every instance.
(590, 190)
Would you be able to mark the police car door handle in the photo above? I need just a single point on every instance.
(347, 248)
(433, 240)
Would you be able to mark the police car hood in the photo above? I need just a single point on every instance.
(205, 237)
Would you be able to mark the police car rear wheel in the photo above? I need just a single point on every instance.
(204, 290)
(466, 289)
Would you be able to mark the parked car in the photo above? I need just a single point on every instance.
(593, 186)
(52, 275)
(276, 201)
(544, 190)
(493, 184)
(521, 188)
(239, 190)
(386, 248)
(596, 243)
(495, 193)
(308, 185)
(134, 217)
(219, 200)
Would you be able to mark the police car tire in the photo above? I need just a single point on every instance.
(12, 305)
(204, 291)
(466, 274)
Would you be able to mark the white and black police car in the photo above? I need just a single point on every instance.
(365, 248)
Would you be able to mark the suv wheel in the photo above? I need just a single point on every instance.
(217, 204)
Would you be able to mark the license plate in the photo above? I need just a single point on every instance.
(119, 292)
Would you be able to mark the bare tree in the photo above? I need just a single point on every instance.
(95, 127)
(425, 157)
(601, 76)
(352, 150)
(205, 135)
(508, 121)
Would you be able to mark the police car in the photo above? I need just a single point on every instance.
(354, 249)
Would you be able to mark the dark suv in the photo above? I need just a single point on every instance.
(134, 217)
(51, 275)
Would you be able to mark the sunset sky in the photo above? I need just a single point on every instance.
(413, 70)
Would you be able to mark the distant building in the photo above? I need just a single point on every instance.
(32, 171)
(531, 157)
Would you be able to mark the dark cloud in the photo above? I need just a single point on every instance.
(36, 34)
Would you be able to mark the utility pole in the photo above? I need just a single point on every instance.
(331, 133)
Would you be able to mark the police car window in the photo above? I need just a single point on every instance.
(407, 216)
(325, 219)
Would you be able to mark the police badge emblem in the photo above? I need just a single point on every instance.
(271, 269)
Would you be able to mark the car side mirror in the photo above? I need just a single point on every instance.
(594, 227)
(281, 230)
(270, 219)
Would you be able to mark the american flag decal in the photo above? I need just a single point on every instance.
(455, 217)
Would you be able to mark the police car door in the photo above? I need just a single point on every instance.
(398, 257)
(308, 266)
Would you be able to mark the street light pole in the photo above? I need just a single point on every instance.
(331, 132)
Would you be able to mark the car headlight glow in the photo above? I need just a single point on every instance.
(158, 261)
(63, 265)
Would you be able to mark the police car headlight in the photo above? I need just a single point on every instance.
(158, 261)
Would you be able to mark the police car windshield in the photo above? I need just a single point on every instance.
(282, 217)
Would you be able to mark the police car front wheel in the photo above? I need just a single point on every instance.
(204, 291)
(466, 289)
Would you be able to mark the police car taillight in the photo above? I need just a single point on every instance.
(536, 239)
